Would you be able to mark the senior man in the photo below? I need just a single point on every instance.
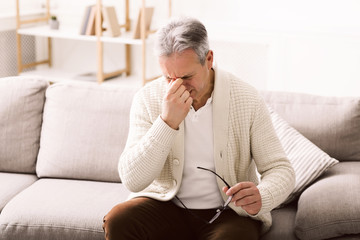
(197, 137)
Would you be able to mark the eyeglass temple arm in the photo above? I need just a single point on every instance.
(216, 175)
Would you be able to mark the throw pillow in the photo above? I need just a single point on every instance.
(308, 161)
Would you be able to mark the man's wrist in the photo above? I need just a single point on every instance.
(172, 125)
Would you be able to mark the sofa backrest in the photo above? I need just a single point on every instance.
(21, 107)
(84, 131)
(331, 123)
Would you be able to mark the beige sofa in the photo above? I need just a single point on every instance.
(60, 144)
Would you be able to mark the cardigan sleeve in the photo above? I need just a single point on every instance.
(277, 174)
(147, 147)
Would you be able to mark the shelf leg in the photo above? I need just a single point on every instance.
(127, 16)
(19, 53)
(99, 44)
(128, 59)
(18, 39)
(49, 52)
(143, 38)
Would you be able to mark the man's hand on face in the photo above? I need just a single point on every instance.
(176, 103)
(245, 195)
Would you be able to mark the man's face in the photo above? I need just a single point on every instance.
(186, 65)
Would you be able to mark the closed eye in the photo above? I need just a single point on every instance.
(187, 77)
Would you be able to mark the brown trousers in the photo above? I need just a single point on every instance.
(145, 218)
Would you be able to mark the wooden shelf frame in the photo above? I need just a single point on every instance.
(101, 75)
(143, 36)
(19, 22)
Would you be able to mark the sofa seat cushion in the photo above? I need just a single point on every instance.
(84, 131)
(331, 206)
(60, 209)
(347, 237)
(13, 183)
(21, 107)
(283, 223)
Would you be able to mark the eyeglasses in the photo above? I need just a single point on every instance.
(218, 211)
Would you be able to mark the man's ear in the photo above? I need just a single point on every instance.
(209, 59)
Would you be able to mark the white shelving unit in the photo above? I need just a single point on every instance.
(45, 31)
(126, 39)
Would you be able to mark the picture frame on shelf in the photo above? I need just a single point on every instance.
(85, 19)
(111, 21)
(90, 28)
(149, 11)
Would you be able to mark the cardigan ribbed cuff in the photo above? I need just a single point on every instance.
(266, 199)
(163, 133)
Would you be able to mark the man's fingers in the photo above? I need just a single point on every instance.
(189, 102)
(239, 186)
(246, 200)
(174, 85)
(245, 195)
(185, 95)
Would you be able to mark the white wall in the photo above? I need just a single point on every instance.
(309, 46)
(312, 45)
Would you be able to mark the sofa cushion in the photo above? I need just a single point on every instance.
(331, 123)
(21, 106)
(331, 206)
(283, 224)
(12, 184)
(84, 131)
(347, 237)
(60, 209)
(308, 161)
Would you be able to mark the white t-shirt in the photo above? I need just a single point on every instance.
(199, 189)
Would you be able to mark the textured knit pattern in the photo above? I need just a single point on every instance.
(152, 161)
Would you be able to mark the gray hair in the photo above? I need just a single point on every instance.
(182, 34)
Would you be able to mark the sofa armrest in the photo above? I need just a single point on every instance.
(331, 207)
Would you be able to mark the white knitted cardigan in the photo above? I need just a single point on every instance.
(152, 162)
